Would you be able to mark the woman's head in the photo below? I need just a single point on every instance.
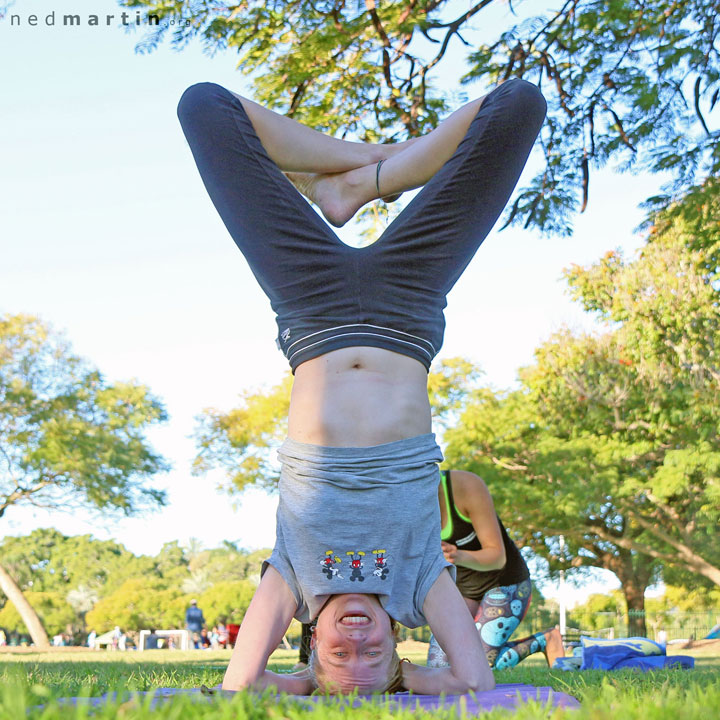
(353, 647)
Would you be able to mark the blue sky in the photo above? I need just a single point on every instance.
(107, 233)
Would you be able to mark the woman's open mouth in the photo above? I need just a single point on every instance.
(354, 620)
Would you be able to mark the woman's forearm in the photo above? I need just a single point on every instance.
(481, 560)
(265, 622)
(434, 681)
(294, 684)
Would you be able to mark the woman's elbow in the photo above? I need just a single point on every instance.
(477, 677)
(482, 682)
(501, 559)
(234, 686)
(241, 681)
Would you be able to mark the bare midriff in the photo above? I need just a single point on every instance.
(358, 397)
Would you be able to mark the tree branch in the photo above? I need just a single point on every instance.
(453, 27)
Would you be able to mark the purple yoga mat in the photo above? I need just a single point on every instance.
(505, 696)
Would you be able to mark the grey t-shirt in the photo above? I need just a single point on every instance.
(360, 520)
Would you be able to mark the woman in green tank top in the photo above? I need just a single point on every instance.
(491, 574)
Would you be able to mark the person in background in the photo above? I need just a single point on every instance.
(151, 641)
(117, 633)
(222, 635)
(491, 574)
(92, 636)
(194, 622)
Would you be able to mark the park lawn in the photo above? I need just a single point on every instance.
(31, 685)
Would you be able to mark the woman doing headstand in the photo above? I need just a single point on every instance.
(358, 520)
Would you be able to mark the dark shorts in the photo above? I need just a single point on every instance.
(474, 584)
(391, 294)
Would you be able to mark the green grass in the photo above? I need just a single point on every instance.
(32, 684)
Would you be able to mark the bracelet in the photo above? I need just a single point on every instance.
(377, 176)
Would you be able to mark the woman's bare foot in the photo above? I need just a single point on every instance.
(338, 195)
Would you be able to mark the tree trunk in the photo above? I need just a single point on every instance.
(686, 556)
(28, 615)
(634, 572)
(635, 598)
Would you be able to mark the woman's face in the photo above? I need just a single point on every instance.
(353, 643)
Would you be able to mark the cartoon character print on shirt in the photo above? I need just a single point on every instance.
(328, 563)
(381, 567)
(356, 565)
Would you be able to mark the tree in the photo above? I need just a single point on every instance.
(598, 612)
(68, 438)
(226, 602)
(625, 80)
(240, 440)
(690, 611)
(613, 436)
(54, 611)
(687, 599)
(545, 484)
(228, 563)
(450, 385)
(80, 569)
(46, 560)
(667, 316)
(140, 604)
(82, 580)
(82, 599)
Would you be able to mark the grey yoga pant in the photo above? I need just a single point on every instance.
(391, 294)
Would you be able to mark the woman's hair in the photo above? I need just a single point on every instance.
(395, 676)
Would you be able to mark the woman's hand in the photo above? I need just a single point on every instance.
(474, 501)
(450, 551)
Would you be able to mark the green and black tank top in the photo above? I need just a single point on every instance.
(458, 530)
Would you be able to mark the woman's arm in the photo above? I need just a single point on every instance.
(473, 499)
(453, 627)
(266, 620)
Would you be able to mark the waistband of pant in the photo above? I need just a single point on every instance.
(359, 334)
